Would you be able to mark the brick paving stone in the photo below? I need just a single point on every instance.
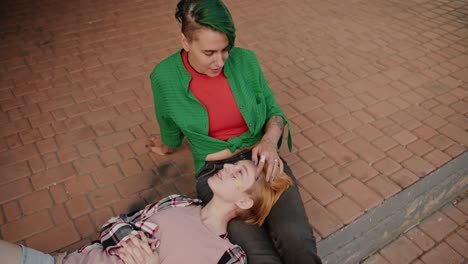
(387, 166)
(399, 153)
(110, 156)
(419, 147)
(58, 193)
(130, 167)
(361, 170)
(68, 154)
(101, 216)
(134, 184)
(455, 214)
(14, 190)
(418, 166)
(12, 211)
(54, 239)
(311, 154)
(422, 240)
(368, 132)
(463, 206)
(26, 226)
(458, 244)
(365, 150)
(113, 140)
(384, 143)
(435, 121)
(322, 164)
(317, 135)
(318, 116)
(463, 232)
(14, 172)
(441, 142)
(383, 186)
(36, 201)
(301, 142)
(108, 175)
(301, 169)
(402, 250)
(337, 152)
(335, 174)
(332, 128)
(19, 154)
(438, 226)
(404, 137)
(84, 226)
(87, 148)
(79, 185)
(322, 221)
(307, 104)
(424, 132)
(455, 150)
(360, 193)
(59, 214)
(87, 165)
(349, 122)
(78, 206)
(321, 190)
(346, 210)
(382, 109)
(437, 158)
(103, 196)
(455, 133)
(442, 253)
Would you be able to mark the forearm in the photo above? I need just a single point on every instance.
(273, 130)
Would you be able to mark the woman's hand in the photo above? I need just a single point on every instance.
(266, 151)
(156, 146)
(138, 251)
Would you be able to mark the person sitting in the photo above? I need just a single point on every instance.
(177, 229)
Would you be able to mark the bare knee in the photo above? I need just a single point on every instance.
(11, 253)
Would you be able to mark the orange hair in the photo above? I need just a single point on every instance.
(264, 195)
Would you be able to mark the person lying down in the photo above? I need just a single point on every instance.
(177, 229)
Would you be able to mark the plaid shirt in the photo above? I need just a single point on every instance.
(117, 229)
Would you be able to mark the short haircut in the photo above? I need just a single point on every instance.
(212, 14)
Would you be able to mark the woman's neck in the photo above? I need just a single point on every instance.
(216, 215)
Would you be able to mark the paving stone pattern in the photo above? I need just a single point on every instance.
(441, 238)
(376, 93)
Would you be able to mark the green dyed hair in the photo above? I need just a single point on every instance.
(213, 14)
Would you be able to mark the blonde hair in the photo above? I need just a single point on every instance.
(264, 195)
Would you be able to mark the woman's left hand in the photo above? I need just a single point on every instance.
(266, 151)
(138, 251)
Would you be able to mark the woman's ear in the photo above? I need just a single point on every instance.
(245, 203)
(185, 42)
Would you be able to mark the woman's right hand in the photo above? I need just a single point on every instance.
(156, 146)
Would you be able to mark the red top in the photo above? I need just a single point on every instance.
(224, 118)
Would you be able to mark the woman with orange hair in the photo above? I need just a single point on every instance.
(177, 229)
(215, 95)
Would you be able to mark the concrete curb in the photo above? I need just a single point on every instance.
(396, 215)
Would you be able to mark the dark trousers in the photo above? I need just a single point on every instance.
(286, 236)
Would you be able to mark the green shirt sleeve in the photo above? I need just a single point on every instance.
(171, 134)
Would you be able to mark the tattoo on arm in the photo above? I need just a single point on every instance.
(275, 121)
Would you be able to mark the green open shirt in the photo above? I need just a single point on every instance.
(179, 113)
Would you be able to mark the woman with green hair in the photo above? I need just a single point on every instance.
(215, 95)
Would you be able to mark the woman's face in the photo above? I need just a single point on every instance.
(231, 182)
(207, 51)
